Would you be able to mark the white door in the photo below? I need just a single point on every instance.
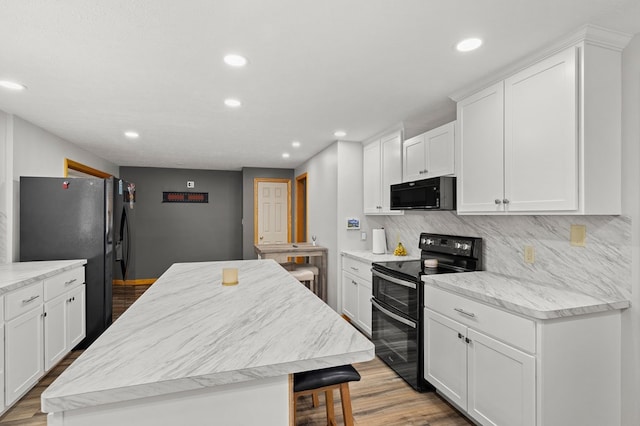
(413, 158)
(481, 142)
(502, 384)
(24, 354)
(445, 356)
(273, 212)
(541, 136)
(440, 151)
(55, 330)
(349, 296)
(391, 152)
(76, 323)
(371, 178)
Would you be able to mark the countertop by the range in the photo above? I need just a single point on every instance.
(20, 274)
(525, 297)
(189, 332)
(367, 256)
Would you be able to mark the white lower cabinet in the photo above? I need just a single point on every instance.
(493, 382)
(24, 353)
(357, 292)
(505, 369)
(43, 322)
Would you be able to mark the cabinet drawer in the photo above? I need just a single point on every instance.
(63, 282)
(357, 267)
(23, 300)
(510, 328)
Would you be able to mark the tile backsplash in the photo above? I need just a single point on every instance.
(603, 266)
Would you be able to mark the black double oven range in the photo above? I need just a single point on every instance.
(398, 301)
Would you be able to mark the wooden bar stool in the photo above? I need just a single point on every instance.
(309, 267)
(326, 380)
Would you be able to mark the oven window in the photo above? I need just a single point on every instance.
(401, 298)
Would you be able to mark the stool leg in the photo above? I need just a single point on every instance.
(345, 396)
(316, 401)
(331, 416)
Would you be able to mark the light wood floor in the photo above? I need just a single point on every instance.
(380, 398)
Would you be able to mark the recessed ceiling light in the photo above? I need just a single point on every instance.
(233, 103)
(12, 85)
(295, 144)
(285, 155)
(131, 134)
(235, 60)
(469, 44)
(340, 133)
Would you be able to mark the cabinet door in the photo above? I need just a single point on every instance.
(24, 353)
(481, 142)
(55, 331)
(391, 151)
(371, 175)
(350, 296)
(414, 155)
(501, 383)
(541, 137)
(440, 151)
(2, 346)
(364, 305)
(445, 356)
(76, 323)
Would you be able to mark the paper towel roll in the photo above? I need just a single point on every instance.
(379, 241)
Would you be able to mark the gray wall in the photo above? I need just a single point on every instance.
(166, 233)
(248, 175)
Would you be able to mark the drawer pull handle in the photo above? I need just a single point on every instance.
(71, 281)
(463, 312)
(355, 269)
(353, 282)
(31, 299)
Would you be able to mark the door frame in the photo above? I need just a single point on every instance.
(302, 185)
(255, 205)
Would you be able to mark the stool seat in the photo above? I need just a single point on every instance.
(326, 380)
(315, 379)
(302, 275)
(306, 266)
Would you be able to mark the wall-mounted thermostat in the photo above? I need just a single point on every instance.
(191, 184)
(353, 223)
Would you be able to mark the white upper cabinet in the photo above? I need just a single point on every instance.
(430, 154)
(382, 167)
(480, 129)
(546, 139)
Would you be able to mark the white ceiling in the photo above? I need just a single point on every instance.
(97, 68)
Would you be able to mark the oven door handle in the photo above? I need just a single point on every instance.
(392, 315)
(394, 280)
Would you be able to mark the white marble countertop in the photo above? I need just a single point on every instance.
(20, 274)
(189, 332)
(367, 256)
(525, 297)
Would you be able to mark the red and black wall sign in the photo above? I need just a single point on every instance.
(185, 197)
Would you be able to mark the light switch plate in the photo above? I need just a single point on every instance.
(578, 235)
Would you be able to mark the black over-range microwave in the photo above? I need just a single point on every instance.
(427, 194)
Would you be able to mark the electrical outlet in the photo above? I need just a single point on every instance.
(529, 254)
(363, 236)
(578, 235)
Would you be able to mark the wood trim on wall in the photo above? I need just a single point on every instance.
(83, 168)
(301, 208)
(255, 205)
(147, 281)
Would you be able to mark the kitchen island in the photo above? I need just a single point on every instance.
(192, 351)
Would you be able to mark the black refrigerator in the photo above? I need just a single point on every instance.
(73, 218)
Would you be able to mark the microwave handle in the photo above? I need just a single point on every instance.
(392, 315)
(394, 280)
